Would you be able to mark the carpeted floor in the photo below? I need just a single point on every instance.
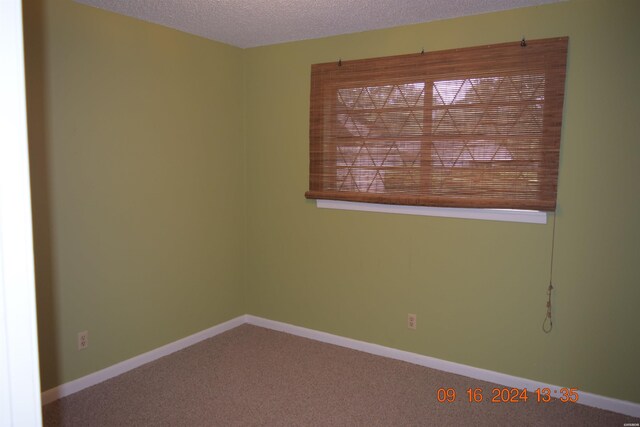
(255, 376)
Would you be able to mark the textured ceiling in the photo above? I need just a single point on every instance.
(250, 23)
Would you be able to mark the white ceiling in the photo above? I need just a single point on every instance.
(250, 23)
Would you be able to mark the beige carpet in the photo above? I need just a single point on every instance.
(255, 376)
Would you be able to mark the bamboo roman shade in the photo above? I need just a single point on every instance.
(477, 127)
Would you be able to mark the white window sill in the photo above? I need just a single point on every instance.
(533, 217)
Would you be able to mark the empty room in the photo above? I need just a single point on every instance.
(335, 213)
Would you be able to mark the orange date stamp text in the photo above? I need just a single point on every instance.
(508, 395)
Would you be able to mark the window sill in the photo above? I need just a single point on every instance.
(511, 215)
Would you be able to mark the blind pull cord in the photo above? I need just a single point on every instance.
(547, 324)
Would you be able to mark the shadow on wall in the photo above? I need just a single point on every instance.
(39, 138)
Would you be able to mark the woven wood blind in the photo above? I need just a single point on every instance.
(477, 127)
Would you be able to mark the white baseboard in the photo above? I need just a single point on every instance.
(120, 368)
(588, 399)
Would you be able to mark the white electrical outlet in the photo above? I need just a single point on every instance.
(412, 321)
(83, 340)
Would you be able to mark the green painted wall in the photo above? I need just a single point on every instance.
(137, 169)
(477, 287)
(147, 229)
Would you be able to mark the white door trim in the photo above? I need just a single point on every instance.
(19, 372)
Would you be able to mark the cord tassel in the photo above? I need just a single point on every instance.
(547, 318)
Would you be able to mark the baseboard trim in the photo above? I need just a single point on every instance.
(588, 399)
(75, 386)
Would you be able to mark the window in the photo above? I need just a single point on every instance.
(473, 128)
